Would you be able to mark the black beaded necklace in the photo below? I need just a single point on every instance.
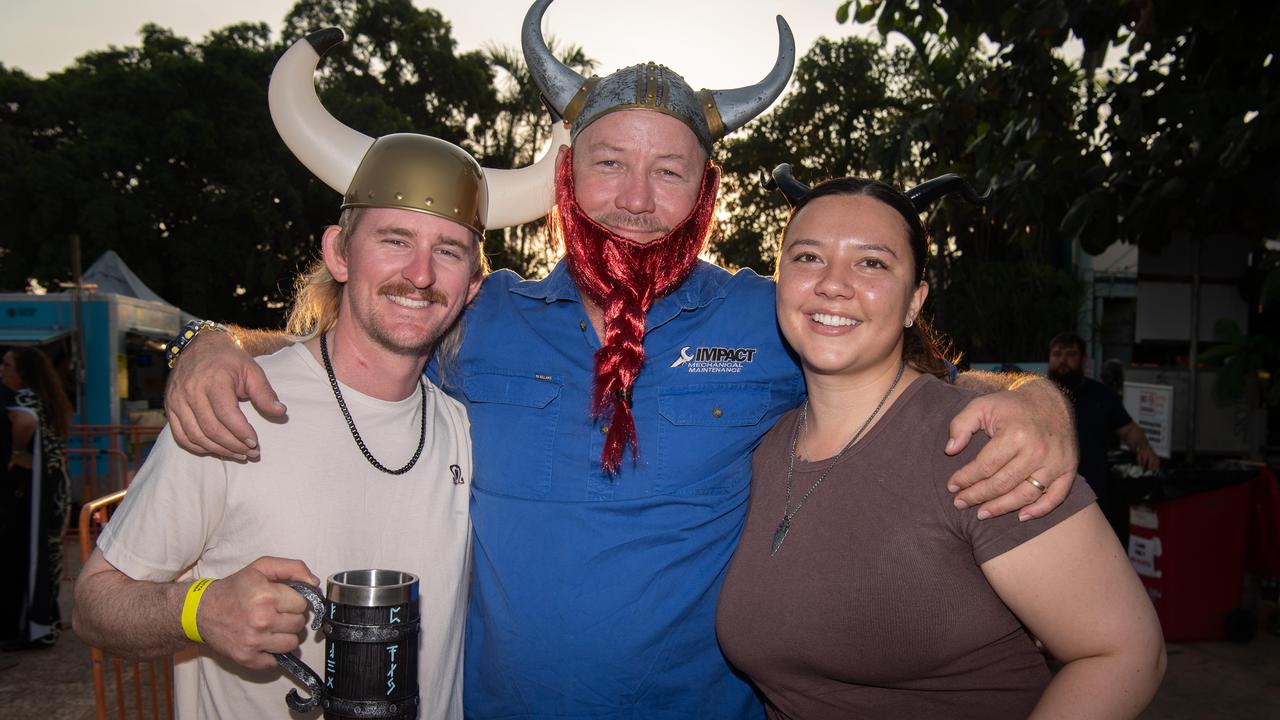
(351, 424)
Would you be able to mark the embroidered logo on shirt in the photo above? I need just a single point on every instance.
(457, 474)
(714, 359)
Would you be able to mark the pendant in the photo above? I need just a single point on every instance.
(780, 534)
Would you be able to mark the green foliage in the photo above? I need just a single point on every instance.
(915, 111)
(1195, 120)
(1183, 130)
(1250, 361)
(512, 137)
(156, 151)
(166, 153)
(1000, 310)
(1178, 135)
(398, 71)
(848, 114)
(1245, 359)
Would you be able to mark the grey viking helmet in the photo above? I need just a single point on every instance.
(710, 114)
(405, 171)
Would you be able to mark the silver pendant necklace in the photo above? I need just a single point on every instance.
(787, 513)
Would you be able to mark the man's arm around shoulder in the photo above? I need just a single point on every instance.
(1032, 436)
(203, 393)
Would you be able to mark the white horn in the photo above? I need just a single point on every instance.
(524, 195)
(330, 150)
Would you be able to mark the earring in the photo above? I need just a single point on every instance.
(909, 323)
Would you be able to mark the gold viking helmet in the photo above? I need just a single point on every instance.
(404, 171)
(421, 173)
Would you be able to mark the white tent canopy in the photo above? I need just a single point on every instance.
(111, 275)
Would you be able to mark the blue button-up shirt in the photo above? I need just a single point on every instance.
(594, 596)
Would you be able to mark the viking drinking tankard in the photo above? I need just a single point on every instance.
(370, 622)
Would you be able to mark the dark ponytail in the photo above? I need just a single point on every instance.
(929, 351)
(38, 376)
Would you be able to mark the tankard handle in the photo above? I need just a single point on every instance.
(296, 667)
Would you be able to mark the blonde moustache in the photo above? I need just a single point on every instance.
(413, 293)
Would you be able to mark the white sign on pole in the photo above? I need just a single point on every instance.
(1151, 406)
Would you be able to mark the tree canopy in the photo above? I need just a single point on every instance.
(1162, 122)
(166, 152)
(1176, 114)
(908, 112)
(1183, 124)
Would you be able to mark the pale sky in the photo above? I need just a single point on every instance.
(713, 43)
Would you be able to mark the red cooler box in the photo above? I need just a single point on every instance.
(1190, 554)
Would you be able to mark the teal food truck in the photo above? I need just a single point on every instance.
(124, 326)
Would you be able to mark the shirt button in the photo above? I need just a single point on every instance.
(582, 325)
(716, 412)
(604, 429)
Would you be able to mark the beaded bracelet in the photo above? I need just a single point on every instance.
(189, 333)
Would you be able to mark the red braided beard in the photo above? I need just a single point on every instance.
(624, 278)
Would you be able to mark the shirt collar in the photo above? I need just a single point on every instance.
(557, 285)
(703, 285)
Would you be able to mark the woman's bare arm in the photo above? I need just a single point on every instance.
(1073, 588)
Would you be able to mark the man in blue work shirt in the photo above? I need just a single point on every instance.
(614, 406)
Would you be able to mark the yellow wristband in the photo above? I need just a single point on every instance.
(191, 605)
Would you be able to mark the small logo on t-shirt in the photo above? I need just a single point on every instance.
(456, 472)
(714, 359)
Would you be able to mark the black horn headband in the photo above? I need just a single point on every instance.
(921, 196)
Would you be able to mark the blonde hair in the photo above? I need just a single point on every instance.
(317, 296)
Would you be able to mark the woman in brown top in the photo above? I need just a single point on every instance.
(857, 589)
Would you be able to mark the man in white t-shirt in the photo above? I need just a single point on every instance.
(342, 485)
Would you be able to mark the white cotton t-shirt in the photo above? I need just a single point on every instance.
(312, 496)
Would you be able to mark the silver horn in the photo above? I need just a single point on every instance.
(738, 106)
(330, 150)
(558, 83)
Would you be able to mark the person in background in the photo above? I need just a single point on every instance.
(38, 495)
(1112, 375)
(856, 589)
(12, 496)
(1099, 414)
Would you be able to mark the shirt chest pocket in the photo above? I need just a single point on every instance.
(707, 432)
(513, 430)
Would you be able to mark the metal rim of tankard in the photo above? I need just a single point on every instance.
(372, 588)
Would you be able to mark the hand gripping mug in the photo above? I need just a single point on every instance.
(370, 622)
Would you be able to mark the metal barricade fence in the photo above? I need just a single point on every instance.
(93, 482)
(102, 459)
(136, 686)
(133, 441)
